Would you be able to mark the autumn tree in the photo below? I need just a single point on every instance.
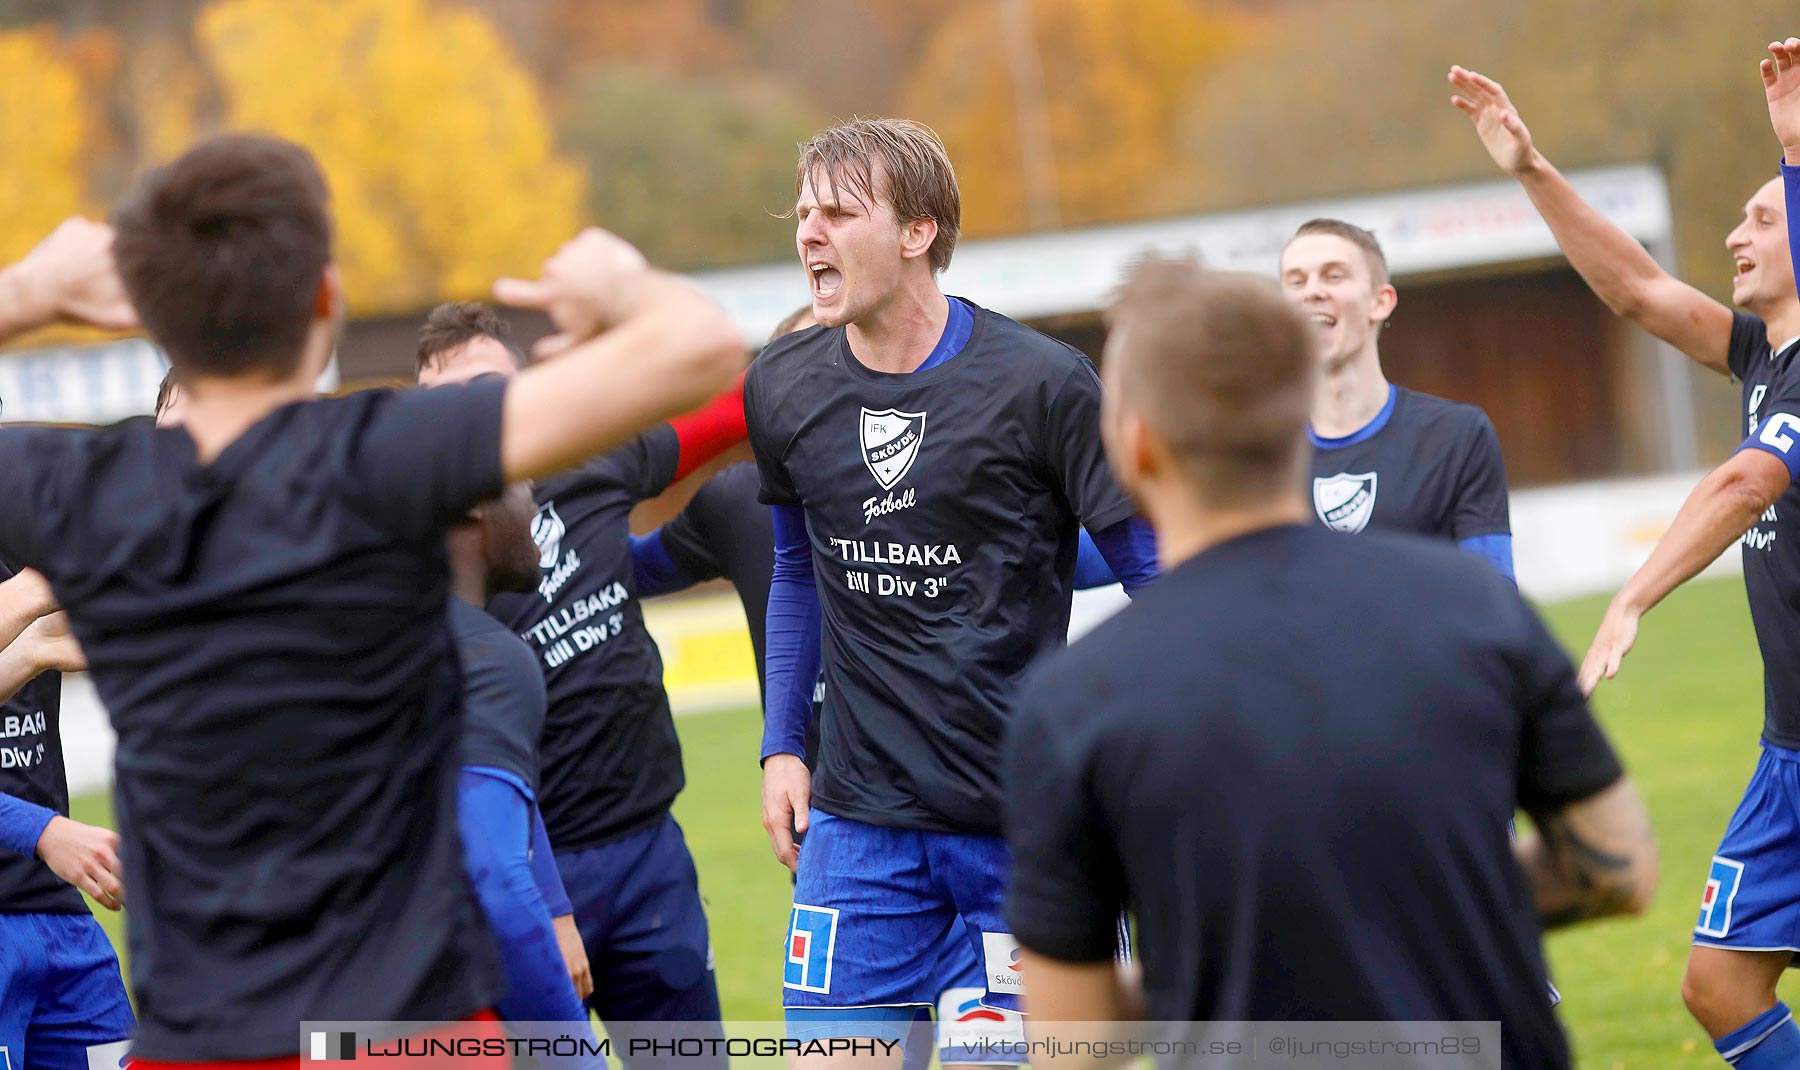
(692, 170)
(1096, 85)
(44, 130)
(441, 159)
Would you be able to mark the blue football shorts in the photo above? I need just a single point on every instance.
(1751, 901)
(888, 918)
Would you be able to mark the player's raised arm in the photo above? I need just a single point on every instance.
(1618, 269)
(69, 277)
(1781, 88)
(1591, 859)
(635, 345)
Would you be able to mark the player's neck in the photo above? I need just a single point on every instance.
(219, 411)
(470, 586)
(1350, 395)
(1186, 527)
(1782, 322)
(901, 334)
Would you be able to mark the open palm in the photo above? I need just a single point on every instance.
(1496, 121)
(1781, 84)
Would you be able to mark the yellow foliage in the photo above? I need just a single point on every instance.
(44, 130)
(1115, 75)
(441, 159)
(164, 93)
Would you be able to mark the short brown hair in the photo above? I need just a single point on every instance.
(1221, 366)
(921, 184)
(1355, 235)
(454, 325)
(223, 252)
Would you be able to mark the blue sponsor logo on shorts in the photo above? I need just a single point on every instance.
(1715, 903)
(812, 937)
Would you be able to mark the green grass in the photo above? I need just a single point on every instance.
(1685, 712)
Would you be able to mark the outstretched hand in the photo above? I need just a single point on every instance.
(587, 287)
(1617, 635)
(1781, 85)
(1496, 121)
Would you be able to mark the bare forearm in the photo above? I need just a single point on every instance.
(1084, 1001)
(1594, 859)
(18, 666)
(676, 351)
(21, 307)
(1714, 516)
(1623, 274)
(23, 599)
(1609, 260)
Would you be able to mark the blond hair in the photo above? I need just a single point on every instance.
(920, 182)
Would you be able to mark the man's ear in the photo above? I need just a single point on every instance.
(917, 237)
(1386, 300)
(329, 303)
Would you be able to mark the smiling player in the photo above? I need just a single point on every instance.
(1385, 457)
(1745, 936)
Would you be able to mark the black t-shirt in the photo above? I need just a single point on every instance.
(503, 703)
(1294, 759)
(725, 533)
(268, 634)
(943, 507)
(31, 768)
(1426, 466)
(611, 762)
(1772, 564)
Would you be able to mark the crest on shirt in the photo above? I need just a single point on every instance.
(890, 443)
(1756, 398)
(547, 531)
(1345, 501)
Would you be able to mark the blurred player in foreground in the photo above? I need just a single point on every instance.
(1205, 731)
(610, 758)
(1386, 458)
(62, 1000)
(928, 463)
(261, 597)
(1749, 922)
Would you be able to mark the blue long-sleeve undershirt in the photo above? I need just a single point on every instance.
(22, 824)
(793, 634)
(1790, 187)
(1128, 550)
(543, 868)
(653, 570)
(495, 815)
(1496, 550)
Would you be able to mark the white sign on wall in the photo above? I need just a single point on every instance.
(98, 384)
(1071, 271)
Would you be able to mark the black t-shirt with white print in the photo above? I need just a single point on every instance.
(1771, 563)
(943, 508)
(610, 760)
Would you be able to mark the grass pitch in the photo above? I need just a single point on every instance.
(1685, 712)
